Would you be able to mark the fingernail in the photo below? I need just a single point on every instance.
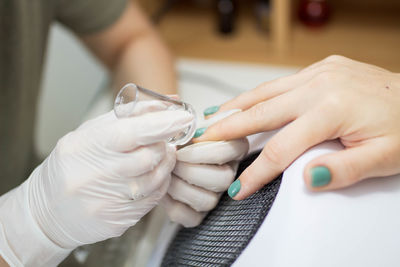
(320, 176)
(234, 188)
(199, 132)
(210, 110)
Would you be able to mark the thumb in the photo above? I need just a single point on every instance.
(149, 128)
(346, 167)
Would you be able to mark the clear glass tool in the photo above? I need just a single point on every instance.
(131, 95)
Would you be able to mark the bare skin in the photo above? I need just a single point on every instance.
(3, 263)
(133, 52)
(336, 98)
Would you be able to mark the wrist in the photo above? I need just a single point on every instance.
(22, 241)
(44, 200)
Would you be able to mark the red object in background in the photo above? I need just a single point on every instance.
(314, 12)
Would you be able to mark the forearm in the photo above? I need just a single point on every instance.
(146, 61)
(133, 52)
(3, 263)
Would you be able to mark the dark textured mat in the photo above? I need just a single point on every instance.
(226, 230)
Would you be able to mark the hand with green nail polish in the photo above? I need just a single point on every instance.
(234, 188)
(320, 176)
(336, 98)
(210, 110)
(199, 132)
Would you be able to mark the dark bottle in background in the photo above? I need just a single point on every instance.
(262, 11)
(314, 12)
(226, 14)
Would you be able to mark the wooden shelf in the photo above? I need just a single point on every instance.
(363, 35)
(373, 38)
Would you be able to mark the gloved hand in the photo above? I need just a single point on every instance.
(202, 172)
(98, 181)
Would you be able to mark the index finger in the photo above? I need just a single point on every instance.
(265, 116)
(267, 90)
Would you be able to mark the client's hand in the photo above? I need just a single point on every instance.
(202, 171)
(335, 98)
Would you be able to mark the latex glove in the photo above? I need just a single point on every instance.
(98, 181)
(202, 172)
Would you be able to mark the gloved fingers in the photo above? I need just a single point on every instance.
(145, 184)
(161, 191)
(181, 213)
(197, 198)
(130, 212)
(128, 133)
(140, 161)
(141, 107)
(214, 152)
(144, 205)
(136, 109)
(234, 165)
(216, 178)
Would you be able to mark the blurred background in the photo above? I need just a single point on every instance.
(283, 32)
(223, 47)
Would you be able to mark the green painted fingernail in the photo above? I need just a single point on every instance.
(210, 110)
(320, 176)
(199, 132)
(234, 188)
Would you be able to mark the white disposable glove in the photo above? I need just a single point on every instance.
(202, 172)
(98, 181)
